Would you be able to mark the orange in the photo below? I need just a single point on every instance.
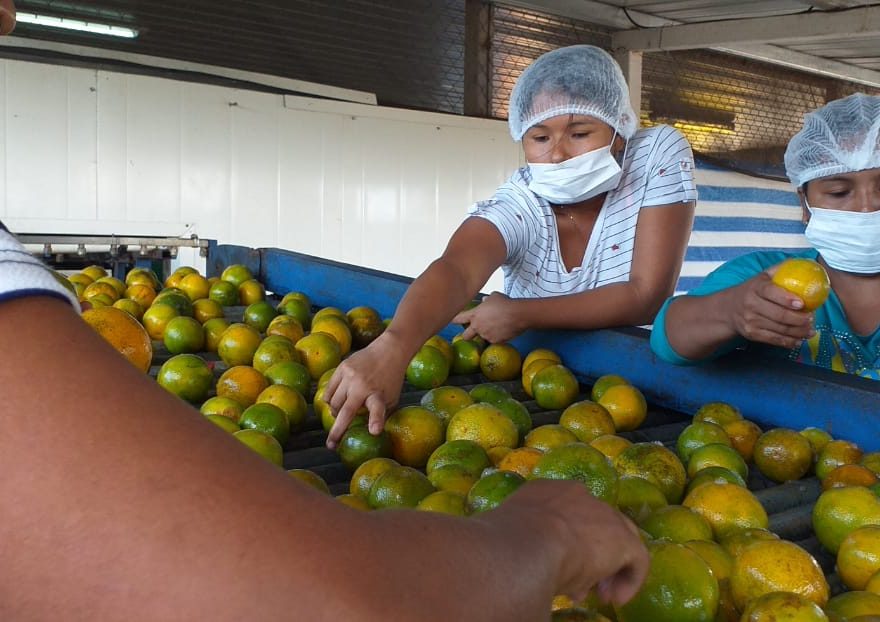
(177, 299)
(444, 502)
(849, 606)
(363, 313)
(177, 276)
(214, 329)
(310, 478)
(550, 436)
(818, 438)
(354, 502)
(540, 354)
(783, 607)
(522, 461)
(783, 455)
(715, 474)
(743, 435)
(238, 344)
(444, 346)
(858, 558)
(699, 434)
(719, 560)
(142, 276)
(638, 498)
(320, 313)
(519, 414)
(264, 444)
(99, 300)
(679, 587)
(656, 464)
(267, 418)
(237, 274)
(195, 286)
(81, 279)
(531, 370)
(206, 309)
(840, 511)
(428, 369)
(677, 523)
(464, 453)
(873, 584)
(554, 387)
(610, 444)
(587, 420)
(290, 401)
(124, 333)
(446, 401)
(242, 383)
(319, 353)
(364, 331)
(183, 335)
(500, 361)
(738, 540)
(286, 326)
(296, 296)
(415, 433)
(100, 287)
(804, 278)
(336, 328)
(835, 454)
(258, 315)
(94, 272)
(603, 383)
(626, 405)
(224, 293)
(118, 285)
(489, 492)
(485, 425)
(187, 376)
(298, 310)
(130, 307)
(718, 413)
(224, 423)
(489, 392)
(850, 475)
(727, 507)
(399, 487)
(274, 349)
(465, 356)
(251, 291)
(367, 473)
(144, 295)
(872, 461)
(290, 374)
(717, 454)
(776, 566)
(453, 478)
(358, 445)
(223, 406)
(580, 463)
(496, 454)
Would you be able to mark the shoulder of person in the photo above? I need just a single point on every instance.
(659, 133)
(512, 195)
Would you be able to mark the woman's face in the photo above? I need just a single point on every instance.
(566, 136)
(850, 192)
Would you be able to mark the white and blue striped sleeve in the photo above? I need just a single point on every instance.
(509, 213)
(670, 170)
(22, 274)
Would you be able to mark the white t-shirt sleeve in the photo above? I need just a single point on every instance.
(511, 215)
(670, 170)
(21, 274)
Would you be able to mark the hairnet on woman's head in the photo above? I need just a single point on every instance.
(580, 79)
(840, 137)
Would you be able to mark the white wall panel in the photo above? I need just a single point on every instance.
(100, 152)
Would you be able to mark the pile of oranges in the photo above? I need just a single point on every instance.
(463, 450)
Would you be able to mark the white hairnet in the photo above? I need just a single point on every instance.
(840, 137)
(580, 79)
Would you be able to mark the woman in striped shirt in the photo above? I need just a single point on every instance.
(591, 234)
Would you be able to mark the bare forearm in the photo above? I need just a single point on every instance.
(697, 326)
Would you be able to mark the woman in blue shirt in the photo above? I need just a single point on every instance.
(834, 162)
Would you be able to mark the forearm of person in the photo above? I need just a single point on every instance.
(126, 502)
(697, 327)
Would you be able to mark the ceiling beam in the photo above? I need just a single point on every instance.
(830, 5)
(593, 12)
(864, 22)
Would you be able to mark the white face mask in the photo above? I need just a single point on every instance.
(577, 179)
(847, 241)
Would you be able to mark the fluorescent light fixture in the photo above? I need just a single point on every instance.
(64, 23)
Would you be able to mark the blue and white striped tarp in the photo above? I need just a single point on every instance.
(738, 214)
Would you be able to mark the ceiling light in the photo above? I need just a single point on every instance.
(65, 23)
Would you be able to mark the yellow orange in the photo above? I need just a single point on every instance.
(626, 405)
(858, 558)
(124, 333)
(777, 566)
(415, 433)
(500, 361)
(336, 328)
(587, 420)
(804, 278)
(727, 507)
(242, 383)
(485, 425)
(550, 436)
(320, 352)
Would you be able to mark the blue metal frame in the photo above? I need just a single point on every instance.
(772, 392)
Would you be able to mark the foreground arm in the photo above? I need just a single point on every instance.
(661, 238)
(374, 375)
(122, 500)
(7, 17)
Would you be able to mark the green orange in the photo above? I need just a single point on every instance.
(581, 463)
(264, 444)
(428, 369)
(555, 387)
(187, 376)
(267, 418)
(238, 344)
(184, 335)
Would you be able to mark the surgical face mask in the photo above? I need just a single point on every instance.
(577, 179)
(847, 241)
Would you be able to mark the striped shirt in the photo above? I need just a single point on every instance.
(658, 169)
(22, 274)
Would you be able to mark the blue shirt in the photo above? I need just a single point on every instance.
(835, 345)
